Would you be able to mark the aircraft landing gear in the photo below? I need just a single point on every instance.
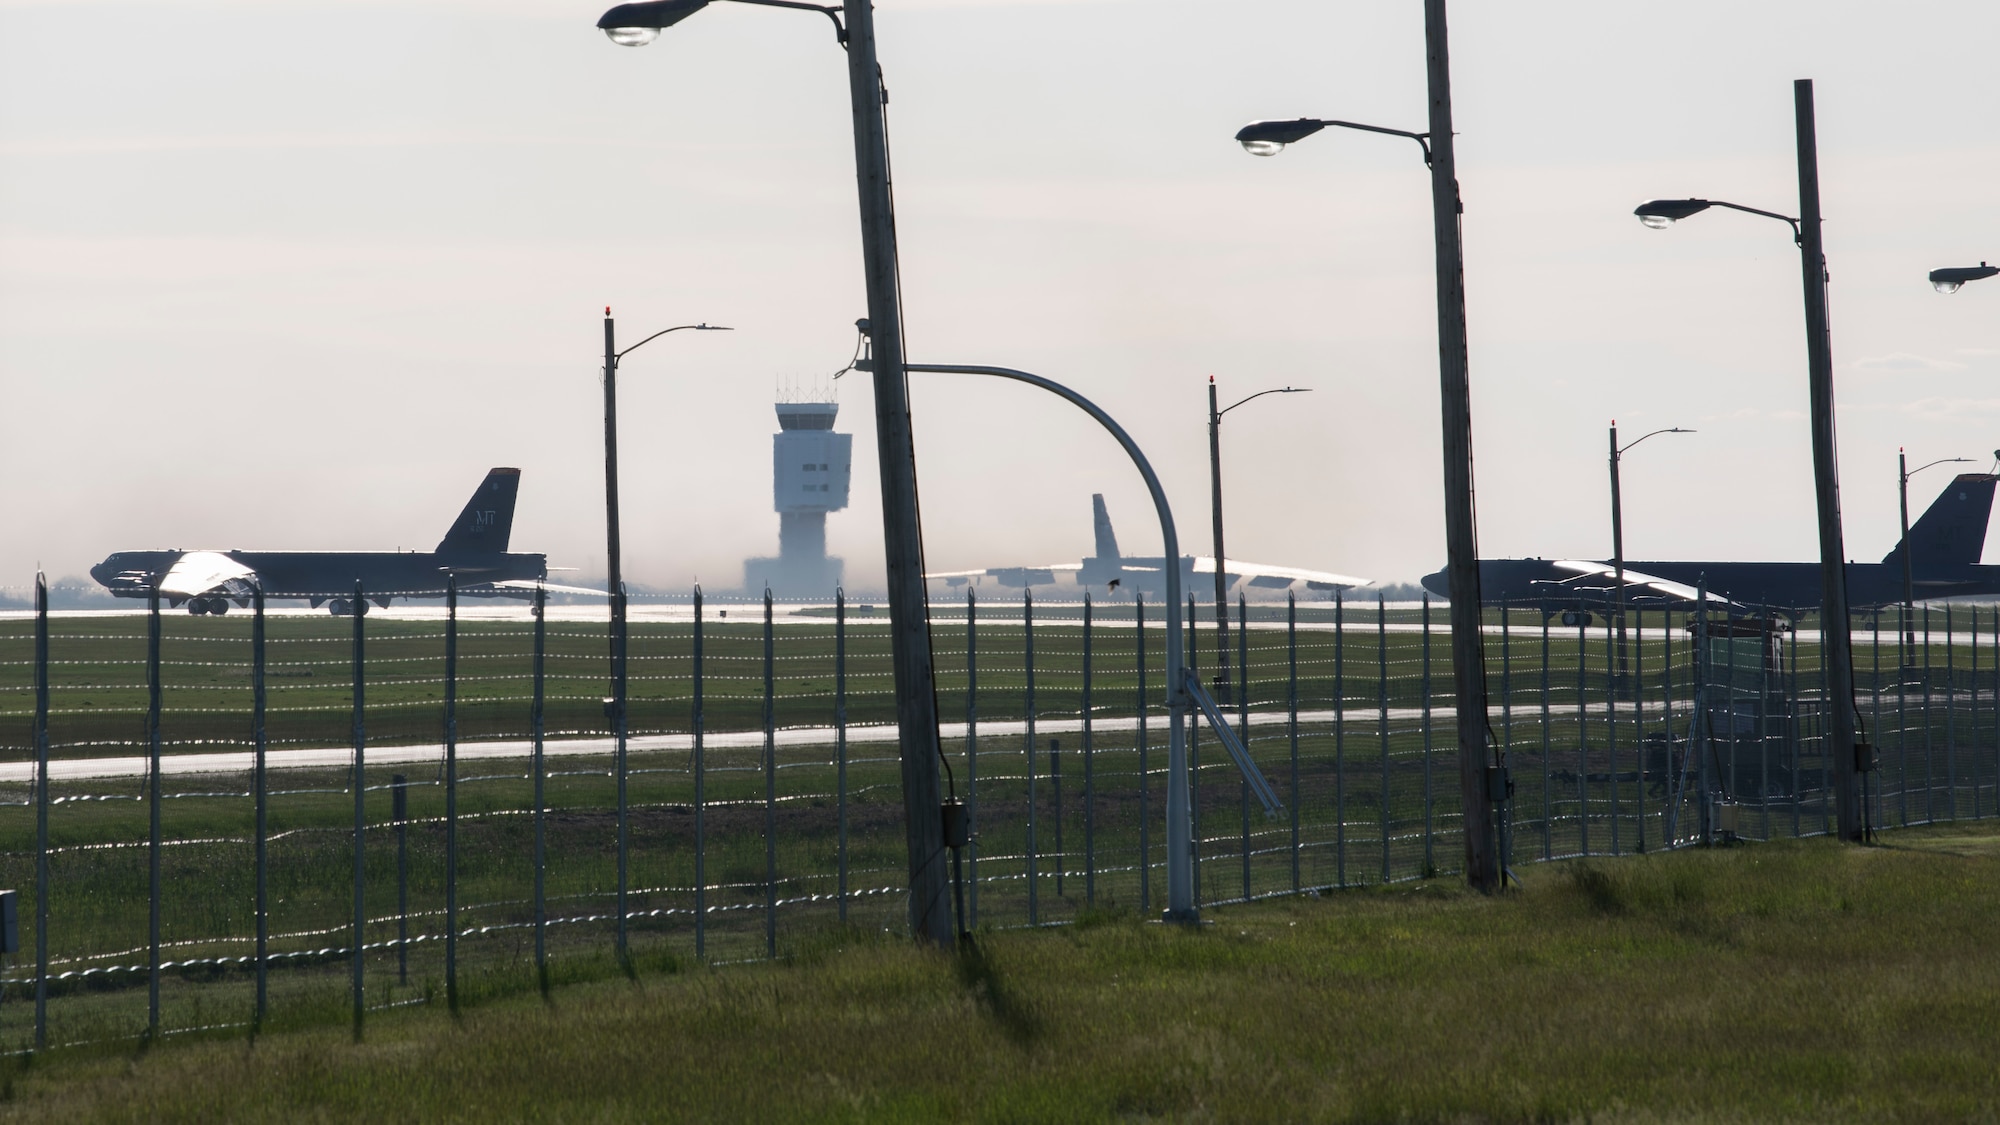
(199, 606)
(1572, 618)
(341, 607)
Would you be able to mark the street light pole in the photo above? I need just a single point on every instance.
(1836, 639)
(1221, 566)
(909, 622)
(1618, 532)
(1908, 610)
(1182, 688)
(1836, 642)
(1482, 772)
(1480, 788)
(616, 709)
(902, 536)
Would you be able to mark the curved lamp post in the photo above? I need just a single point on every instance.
(1618, 527)
(1836, 639)
(1182, 689)
(1903, 475)
(1953, 278)
(1215, 495)
(615, 583)
(1482, 769)
(635, 25)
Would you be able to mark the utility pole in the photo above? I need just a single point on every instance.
(1618, 556)
(1477, 792)
(1221, 573)
(615, 711)
(902, 543)
(1907, 610)
(1835, 642)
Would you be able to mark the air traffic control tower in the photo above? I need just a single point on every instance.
(810, 469)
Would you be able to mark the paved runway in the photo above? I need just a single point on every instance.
(1363, 722)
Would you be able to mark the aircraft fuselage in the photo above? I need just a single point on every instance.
(324, 575)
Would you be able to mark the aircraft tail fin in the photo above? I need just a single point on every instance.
(1107, 540)
(1952, 532)
(488, 519)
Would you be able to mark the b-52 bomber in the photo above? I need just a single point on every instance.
(1945, 546)
(1121, 573)
(474, 551)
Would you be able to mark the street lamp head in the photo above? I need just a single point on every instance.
(1951, 279)
(1659, 214)
(1269, 138)
(635, 25)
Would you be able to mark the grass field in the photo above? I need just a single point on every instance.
(1795, 981)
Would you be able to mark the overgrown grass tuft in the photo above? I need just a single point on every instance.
(1798, 981)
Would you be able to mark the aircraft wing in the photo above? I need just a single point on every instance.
(200, 572)
(995, 571)
(1022, 576)
(1278, 577)
(525, 584)
(1637, 580)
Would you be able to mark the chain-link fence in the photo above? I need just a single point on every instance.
(282, 818)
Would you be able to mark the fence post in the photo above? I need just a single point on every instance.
(1243, 721)
(1340, 737)
(1582, 730)
(360, 812)
(840, 732)
(972, 754)
(451, 791)
(1089, 772)
(1382, 701)
(1764, 733)
(540, 716)
(399, 815)
(619, 684)
(1055, 786)
(1639, 723)
(1950, 714)
(1504, 814)
(1611, 726)
(700, 765)
(1826, 696)
(42, 811)
(770, 787)
(260, 789)
(153, 813)
(1903, 664)
(1703, 721)
(1973, 717)
(1793, 755)
(1930, 748)
(1668, 786)
(1292, 717)
(1548, 793)
(1145, 777)
(1028, 663)
(1506, 695)
(1189, 661)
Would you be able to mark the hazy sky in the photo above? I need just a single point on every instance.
(296, 274)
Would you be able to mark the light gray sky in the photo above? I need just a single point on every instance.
(295, 274)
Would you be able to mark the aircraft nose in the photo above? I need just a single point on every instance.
(1437, 583)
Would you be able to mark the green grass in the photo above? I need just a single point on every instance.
(1800, 981)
